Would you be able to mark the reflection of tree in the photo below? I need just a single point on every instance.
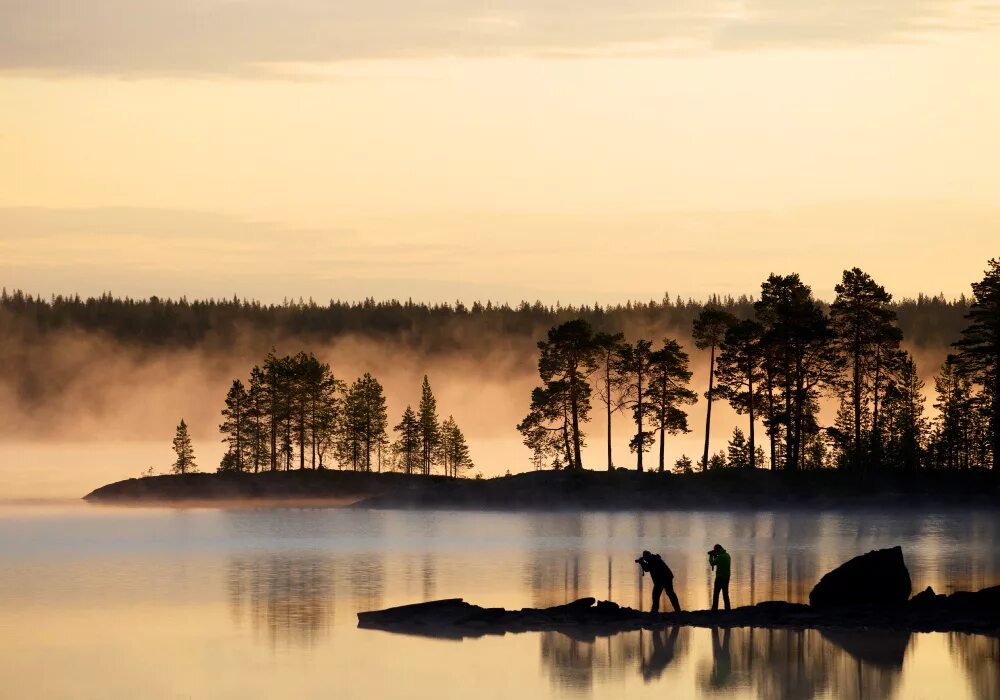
(558, 580)
(981, 658)
(288, 598)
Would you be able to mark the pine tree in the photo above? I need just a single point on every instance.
(979, 351)
(636, 360)
(683, 465)
(610, 387)
(236, 427)
(863, 324)
(430, 430)
(708, 332)
(567, 359)
(257, 421)
(407, 448)
(742, 375)
(185, 461)
(738, 450)
(454, 450)
(667, 390)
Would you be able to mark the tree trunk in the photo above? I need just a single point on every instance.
(708, 396)
(575, 413)
(750, 399)
(639, 419)
(857, 395)
(607, 387)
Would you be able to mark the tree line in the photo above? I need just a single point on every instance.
(775, 364)
(294, 413)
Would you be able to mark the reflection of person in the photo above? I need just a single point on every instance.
(722, 662)
(719, 560)
(664, 648)
(663, 579)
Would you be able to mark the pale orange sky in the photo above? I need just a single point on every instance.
(570, 151)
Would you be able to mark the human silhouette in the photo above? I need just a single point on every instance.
(722, 660)
(719, 560)
(663, 653)
(663, 579)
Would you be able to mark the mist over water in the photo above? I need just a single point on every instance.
(84, 409)
(231, 602)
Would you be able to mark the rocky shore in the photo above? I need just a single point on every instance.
(835, 603)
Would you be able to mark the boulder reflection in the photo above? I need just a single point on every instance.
(768, 664)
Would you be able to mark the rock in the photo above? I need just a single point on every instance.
(926, 598)
(878, 578)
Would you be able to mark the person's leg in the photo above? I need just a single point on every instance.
(715, 594)
(657, 591)
(725, 592)
(673, 596)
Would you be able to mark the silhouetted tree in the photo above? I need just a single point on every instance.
(408, 446)
(863, 325)
(979, 349)
(708, 332)
(904, 416)
(635, 361)
(184, 450)
(608, 349)
(235, 427)
(683, 465)
(430, 430)
(741, 373)
(257, 420)
(738, 451)
(667, 391)
(363, 428)
(804, 359)
(454, 450)
(567, 359)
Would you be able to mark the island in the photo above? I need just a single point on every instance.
(620, 489)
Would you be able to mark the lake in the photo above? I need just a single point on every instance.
(101, 601)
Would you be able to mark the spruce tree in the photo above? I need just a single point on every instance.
(185, 461)
(430, 430)
(236, 427)
(408, 446)
(742, 374)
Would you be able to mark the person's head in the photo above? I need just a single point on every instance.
(646, 553)
(717, 548)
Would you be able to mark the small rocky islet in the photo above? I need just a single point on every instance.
(870, 591)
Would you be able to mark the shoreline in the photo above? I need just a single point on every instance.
(620, 490)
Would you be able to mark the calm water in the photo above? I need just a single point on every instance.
(99, 602)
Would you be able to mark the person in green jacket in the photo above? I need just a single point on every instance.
(720, 560)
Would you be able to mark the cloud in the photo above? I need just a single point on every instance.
(247, 37)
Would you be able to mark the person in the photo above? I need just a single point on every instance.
(719, 559)
(663, 579)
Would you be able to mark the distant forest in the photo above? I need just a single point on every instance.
(774, 357)
(926, 322)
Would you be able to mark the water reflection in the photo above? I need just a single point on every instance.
(287, 599)
(768, 664)
(981, 658)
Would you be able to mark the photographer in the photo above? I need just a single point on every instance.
(663, 579)
(718, 559)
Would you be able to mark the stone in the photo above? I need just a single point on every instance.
(878, 578)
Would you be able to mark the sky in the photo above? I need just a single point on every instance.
(568, 151)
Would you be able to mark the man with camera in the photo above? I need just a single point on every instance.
(663, 579)
(718, 559)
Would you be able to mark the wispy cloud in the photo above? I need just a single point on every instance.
(243, 37)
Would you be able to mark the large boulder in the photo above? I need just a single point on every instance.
(877, 578)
